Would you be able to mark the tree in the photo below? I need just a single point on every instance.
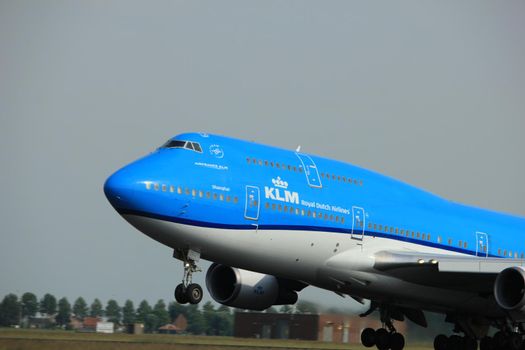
(162, 314)
(217, 322)
(80, 308)
(143, 311)
(48, 304)
(64, 312)
(29, 304)
(10, 310)
(96, 308)
(271, 310)
(196, 322)
(151, 323)
(113, 311)
(286, 309)
(306, 307)
(128, 313)
(175, 309)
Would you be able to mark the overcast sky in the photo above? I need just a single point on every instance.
(432, 93)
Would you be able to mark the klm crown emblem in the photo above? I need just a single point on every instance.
(280, 183)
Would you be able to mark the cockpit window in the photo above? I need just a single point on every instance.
(192, 146)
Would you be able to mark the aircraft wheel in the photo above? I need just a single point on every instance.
(397, 341)
(469, 343)
(455, 342)
(382, 339)
(514, 341)
(500, 340)
(194, 293)
(486, 344)
(180, 295)
(368, 337)
(440, 342)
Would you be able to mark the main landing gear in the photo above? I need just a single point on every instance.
(386, 338)
(188, 292)
(382, 339)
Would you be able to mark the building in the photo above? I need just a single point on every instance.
(325, 327)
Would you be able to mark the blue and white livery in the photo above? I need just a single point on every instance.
(274, 221)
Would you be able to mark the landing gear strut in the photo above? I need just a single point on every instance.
(188, 292)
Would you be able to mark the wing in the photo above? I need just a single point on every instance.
(465, 273)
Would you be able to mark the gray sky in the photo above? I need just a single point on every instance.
(432, 93)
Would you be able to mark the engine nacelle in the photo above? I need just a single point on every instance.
(246, 289)
(509, 289)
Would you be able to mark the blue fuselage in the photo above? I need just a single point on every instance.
(219, 182)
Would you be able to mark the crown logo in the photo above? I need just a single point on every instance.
(280, 183)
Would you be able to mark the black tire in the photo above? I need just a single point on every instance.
(441, 342)
(368, 337)
(397, 341)
(514, 341)
(486, 344)
(470, 344)
(455, 342)
(194, 293)
(500, 340)
(180, 295)
(382, 339)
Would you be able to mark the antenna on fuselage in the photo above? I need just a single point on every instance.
(298, 149)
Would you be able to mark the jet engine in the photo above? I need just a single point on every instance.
(246, 289)
(509, 289)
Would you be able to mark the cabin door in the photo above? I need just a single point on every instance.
(358, 223)
(310, 170)
(252, 204)
(482, 244)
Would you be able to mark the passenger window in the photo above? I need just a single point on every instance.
(322, 175)
(156, 187)
(280, 207)
(201, 194)
(215, 196)
(260, 162)
(163, 188)
(265, 163)
(296, 211)
(187, 190)
(208, 194)
(235, 200)
(273, 206)
(302, 212)
(179, 190)
(228, 198)
(310, 213)
(342, 220)
(148, 185)
(221, 197)
(193, 193)
(172, 189)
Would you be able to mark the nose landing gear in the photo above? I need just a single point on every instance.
(188, 292)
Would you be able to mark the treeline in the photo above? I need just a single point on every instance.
(208, 319)
(15, 311)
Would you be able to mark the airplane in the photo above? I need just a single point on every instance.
(274, 221)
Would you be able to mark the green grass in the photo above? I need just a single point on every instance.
(22, 339)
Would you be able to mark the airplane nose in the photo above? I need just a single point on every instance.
(118, 188)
